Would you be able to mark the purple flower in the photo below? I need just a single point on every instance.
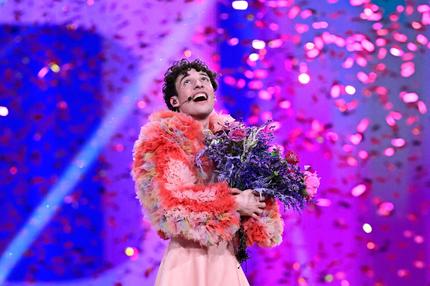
(312, 182)
(245, 158)
(237, 134)
(292, 158)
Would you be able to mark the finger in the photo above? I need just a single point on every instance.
(255, 216)
(258, 199)
(248, 191)
(259, 196)
(234, 191)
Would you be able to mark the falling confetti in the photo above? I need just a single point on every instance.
(343, 82)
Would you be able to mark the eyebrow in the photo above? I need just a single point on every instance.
(187, 74)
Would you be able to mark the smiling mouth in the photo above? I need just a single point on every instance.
(200, 97)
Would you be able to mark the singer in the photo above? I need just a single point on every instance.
(199, 215)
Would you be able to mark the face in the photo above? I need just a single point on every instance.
(196, 86)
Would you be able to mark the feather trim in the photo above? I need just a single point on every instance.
(168, 182)
(267, 229)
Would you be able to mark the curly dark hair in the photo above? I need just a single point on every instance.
(181, 67)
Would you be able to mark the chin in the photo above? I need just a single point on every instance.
(202, 113)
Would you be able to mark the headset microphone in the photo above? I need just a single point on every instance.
(188, 100)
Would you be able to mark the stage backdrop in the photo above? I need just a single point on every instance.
(343, 80)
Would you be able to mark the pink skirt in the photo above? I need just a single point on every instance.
(186, 263)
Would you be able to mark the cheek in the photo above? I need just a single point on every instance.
(184, 93)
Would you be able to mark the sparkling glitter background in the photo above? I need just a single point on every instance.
(344, 80)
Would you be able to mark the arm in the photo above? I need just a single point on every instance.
(166, 185)
(266, 230)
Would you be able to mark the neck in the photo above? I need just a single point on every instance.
(204, 122)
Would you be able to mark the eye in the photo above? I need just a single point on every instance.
(205, 79)
(187, 81)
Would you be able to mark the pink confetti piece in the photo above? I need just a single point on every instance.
(351, 161)
(422, 108)
(258, 44)
(275, 43)
(301, 28)
(392, 117)
(382, 53)
(389, 152)
(411, 120)
(266, 116)
(348, 63)
(304, 78)
(423, 8)
(285, 104)
(240, 83)
(320, 25)
(255, 84)
(349, 89)
(398, 142)
(356, 138)
(332, 137)
(260, 74)
(371, 13)
(407, 69)
(233, 41)
(323, 202)
(419, 239)
(416, 25)
(358, 2)
(335, 91)
(408, 56)
(358, 190)
(385, 209)
(347, 148)
(361, 61)
(425, 20)
(421, 39)
(264, 95)
(42, 72)
(229, 80)
(363, 154)
(366, 78)
(412, 47)
(399, 37)
(403, 273)
(381, 42)
(319, 43)
(419, 264)
(409, 97)
(396, 51)
(306, 13)
(294, 11)
(368, 45)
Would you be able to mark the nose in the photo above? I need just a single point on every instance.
(198, 84)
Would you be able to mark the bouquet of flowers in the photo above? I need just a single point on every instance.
(244, 157)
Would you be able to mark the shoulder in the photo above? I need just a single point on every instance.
(155, 133)
(169, 124)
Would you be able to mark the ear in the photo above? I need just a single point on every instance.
(174, 101)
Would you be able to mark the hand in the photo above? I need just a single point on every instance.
(249, 203)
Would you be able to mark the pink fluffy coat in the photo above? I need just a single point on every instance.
(178, 199)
